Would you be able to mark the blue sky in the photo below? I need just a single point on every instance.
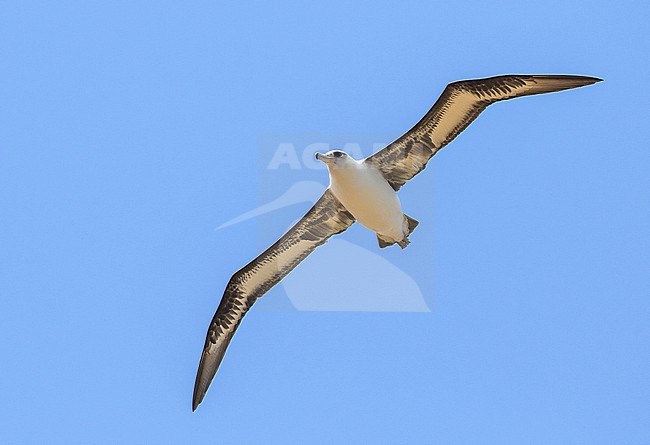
(131, 130)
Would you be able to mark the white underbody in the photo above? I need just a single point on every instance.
(367, 195)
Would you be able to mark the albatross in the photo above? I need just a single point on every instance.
(363, 190)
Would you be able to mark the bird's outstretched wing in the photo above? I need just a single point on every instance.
(460, 103)
(326, 218)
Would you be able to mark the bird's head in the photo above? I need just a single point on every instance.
(335, 159)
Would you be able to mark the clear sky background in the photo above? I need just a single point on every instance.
(129, 130)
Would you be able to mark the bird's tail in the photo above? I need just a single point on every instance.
(409, 226)
(411, 223)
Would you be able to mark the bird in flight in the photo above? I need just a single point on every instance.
(363, 190)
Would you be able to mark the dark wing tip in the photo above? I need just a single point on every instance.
(585, 80)
(199, 393)
(208, 366)
(204, 375)
(570, 81)
(540, 84)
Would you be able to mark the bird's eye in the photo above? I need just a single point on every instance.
(337, 154)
